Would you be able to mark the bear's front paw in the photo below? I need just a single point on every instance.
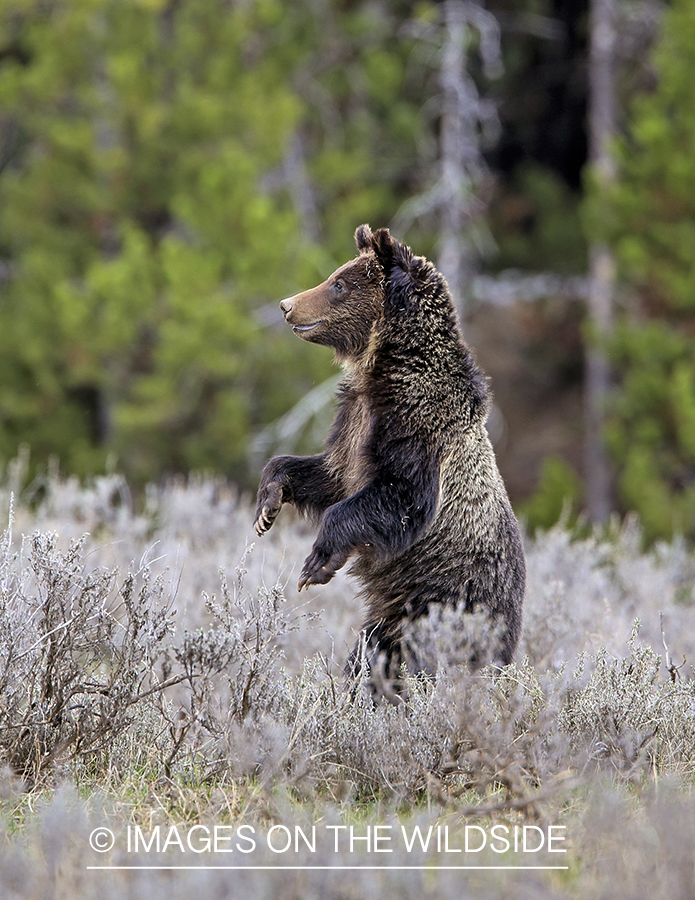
(320, 566)
(268, 506)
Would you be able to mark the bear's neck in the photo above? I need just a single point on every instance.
(357, 364)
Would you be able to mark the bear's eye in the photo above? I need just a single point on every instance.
(339, 286)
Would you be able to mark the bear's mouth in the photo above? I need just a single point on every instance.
(311, 327)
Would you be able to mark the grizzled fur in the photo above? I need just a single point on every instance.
(407, 487)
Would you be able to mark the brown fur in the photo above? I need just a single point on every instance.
(407, 486)
(319, 316)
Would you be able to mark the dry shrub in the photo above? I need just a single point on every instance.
(205, 697)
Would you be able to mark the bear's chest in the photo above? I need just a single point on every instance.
(350, 454)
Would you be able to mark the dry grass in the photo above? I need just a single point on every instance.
(158, 670)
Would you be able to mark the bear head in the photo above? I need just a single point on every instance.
(342, 311)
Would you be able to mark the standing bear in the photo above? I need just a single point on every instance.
(407, 487)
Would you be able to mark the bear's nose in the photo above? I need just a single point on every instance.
(286, 306)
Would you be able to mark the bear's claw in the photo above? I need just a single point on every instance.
(269, 505)
(264, 520)
(320, 567)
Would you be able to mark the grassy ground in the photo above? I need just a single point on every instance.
(167, 700)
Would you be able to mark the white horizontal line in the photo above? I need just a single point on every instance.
(323, 868)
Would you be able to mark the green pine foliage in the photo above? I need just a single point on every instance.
(649, 219)
(556, 498)
(652, 427)
(148, 214)
(139, 230)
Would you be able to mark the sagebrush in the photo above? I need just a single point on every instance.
(160, 665)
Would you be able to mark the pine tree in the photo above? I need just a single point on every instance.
(142, 228)
(649, 218)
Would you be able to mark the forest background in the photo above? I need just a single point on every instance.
(170, 170)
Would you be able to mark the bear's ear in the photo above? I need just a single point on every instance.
(382, 243)
(387, 250)
(363, 238)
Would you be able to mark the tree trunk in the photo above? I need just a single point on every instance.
(465, 116)
(459, 149)
(602, 265)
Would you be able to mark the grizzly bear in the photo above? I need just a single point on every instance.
(407, 487)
